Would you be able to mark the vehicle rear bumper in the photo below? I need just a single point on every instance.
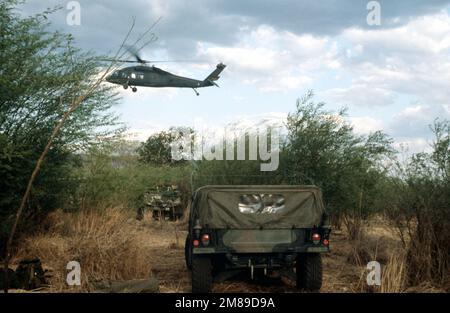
(303, 249)
(320, 249)
(205, 251)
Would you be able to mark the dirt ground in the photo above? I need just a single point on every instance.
(116, 246)
(168, 266)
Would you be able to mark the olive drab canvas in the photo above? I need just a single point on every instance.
(261, 227)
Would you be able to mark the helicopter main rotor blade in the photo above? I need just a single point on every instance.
(172, 61)
(148, 61)
(118, 60)
(135, 53)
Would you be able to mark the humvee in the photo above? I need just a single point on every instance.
(164, 201)
(257, 227)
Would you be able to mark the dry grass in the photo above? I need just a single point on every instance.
(375, 242)
(379, 242)
(393, 277)
(108, 246)
(112, 245)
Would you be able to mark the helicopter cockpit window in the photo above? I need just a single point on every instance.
(261, 203)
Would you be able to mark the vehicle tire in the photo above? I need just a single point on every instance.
(188, 252)
(201, 274)
(309, 271)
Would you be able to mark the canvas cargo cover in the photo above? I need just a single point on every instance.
(229, 207)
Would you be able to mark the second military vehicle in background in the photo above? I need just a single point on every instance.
(164, 201)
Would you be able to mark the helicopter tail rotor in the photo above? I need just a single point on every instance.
(210, 80)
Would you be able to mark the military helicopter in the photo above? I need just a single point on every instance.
(151, 76)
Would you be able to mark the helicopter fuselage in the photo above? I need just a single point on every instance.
(151, 76)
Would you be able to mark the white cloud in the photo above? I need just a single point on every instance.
(425, 35)
(237, 125)
(365, 125)
(361, 95)
(142, 134)
(367, 68)
(412, 59)
(410, 145)
(274, 60)
(251, 122)
(415, 120)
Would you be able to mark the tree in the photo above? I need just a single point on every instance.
(235, 172)
(41, 74)
(421, 207)
(322, 149)
(157, 149)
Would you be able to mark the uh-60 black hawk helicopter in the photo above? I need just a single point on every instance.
(151, 76)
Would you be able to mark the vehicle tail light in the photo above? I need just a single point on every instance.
(205, 239)
(196, 242)
(316, 238)
(326, 242)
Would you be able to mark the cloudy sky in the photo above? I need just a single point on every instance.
(394, 76)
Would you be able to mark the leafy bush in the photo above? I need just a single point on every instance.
(421, 208)
(40, 73)
(322, 149)
(157, 149)
(109, 178)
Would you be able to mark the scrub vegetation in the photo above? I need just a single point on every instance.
(83, 203)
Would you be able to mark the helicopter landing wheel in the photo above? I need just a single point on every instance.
(196, 92)
(134, 89)
(125, 87)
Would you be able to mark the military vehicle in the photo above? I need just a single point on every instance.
(164, 202)
(257, 228)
